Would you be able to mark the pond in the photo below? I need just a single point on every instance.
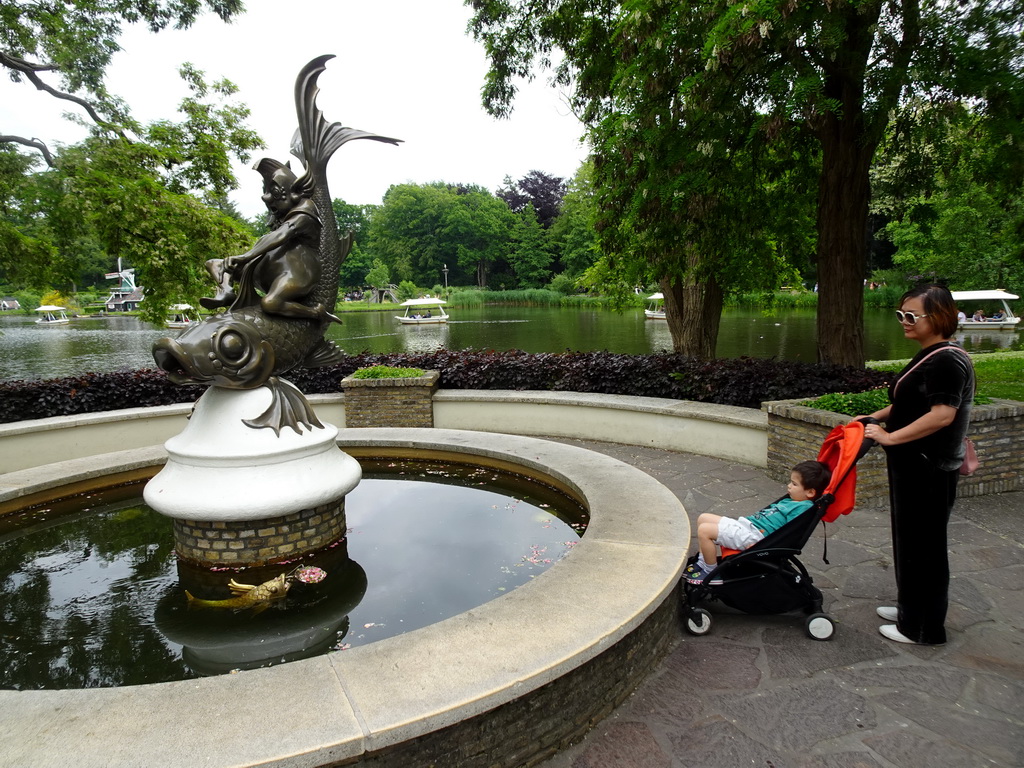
(93, 597)
(29, 351)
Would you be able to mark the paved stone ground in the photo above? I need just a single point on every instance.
(757, 691)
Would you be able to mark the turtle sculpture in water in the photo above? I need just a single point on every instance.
(279, 295)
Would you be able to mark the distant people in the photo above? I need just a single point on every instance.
(961, 317)
(999, 315)
(978, 317)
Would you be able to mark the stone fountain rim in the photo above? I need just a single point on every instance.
(347, 704)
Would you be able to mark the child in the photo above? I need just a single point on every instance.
(806, 482)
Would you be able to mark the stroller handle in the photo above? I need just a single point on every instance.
(867, 444)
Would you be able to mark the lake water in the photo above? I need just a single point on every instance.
(30, 351)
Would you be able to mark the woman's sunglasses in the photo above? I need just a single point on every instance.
(908, 317)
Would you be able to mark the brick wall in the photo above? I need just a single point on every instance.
(531, 729)
(257, 542)
(390, 402)
(795, 433)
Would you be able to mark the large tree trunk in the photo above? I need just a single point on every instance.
(694, 312)
(844, 192)
(843, 198)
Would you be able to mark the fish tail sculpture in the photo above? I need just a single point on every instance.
(247, 596)
(287, 283)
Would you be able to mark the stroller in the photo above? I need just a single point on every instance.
(768, 578)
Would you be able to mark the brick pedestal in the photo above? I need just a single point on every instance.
(390, 402)
(258, 542)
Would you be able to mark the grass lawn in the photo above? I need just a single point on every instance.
(999, 374)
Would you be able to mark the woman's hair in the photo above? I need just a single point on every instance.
(813, 474)
(938, 305)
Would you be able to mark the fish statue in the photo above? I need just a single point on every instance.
(279, 296)
(259, 598)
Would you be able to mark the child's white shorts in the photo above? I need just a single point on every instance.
(738, 534)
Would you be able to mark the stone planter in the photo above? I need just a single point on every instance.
(795, 433)
(390, 402)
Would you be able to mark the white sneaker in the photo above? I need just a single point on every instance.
(887, 612)
(889, 631)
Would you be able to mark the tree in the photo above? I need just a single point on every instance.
(573, 233)
(354, 219)
(378, 277)
(538, 189)
(760, 71)
(478, 227)
(75, 41)
(419, 228)
(950, 183)
(530, 256)
(141, 201)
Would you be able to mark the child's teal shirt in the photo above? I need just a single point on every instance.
(776, 515)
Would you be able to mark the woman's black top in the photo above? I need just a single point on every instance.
(946, 378)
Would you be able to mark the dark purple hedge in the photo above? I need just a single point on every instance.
(740, 381)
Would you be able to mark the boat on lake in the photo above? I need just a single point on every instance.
(656, 309)
(1001, 319)
(426, 311)
(52, 315)
(181, 316)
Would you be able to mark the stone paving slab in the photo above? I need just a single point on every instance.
(757, 691)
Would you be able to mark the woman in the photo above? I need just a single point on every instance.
(924, 432)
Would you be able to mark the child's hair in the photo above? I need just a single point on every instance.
(814, 474)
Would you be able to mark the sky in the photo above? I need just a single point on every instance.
(403, 68)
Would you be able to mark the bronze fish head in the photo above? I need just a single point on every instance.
(225, 350)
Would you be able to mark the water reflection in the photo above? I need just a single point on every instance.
(97, 598)
(659, 339)
(313, 619)
(988, 340)
(424, 338)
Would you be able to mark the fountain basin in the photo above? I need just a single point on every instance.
(515, 677)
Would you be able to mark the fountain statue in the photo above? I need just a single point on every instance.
(255, 477)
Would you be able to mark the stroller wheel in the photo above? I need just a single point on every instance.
(820, 627)
(698, 622)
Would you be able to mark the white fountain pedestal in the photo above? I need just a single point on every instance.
(220, 469)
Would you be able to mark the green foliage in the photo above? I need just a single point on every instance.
(573, 233)
(852, 403)
(562, 284)
(723, 131)
(407, 290)
(79, 38)
(141, 201)
(378, 276)
(386, 372)
(530, 256)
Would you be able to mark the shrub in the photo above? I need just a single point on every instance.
(386, 372)
(852, 403)
(733, 381)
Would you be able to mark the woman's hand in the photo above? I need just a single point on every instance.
(879, 435)
(937, 417)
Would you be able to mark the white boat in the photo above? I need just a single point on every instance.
(52, 315)
(423, 312)
(181, 316)
(656, 310)
(1002, 319)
